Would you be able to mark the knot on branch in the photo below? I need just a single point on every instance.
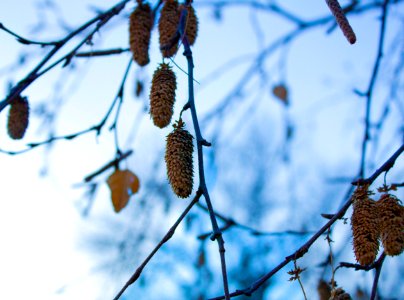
(215, 235)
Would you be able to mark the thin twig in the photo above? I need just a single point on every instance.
(230, 222)
(378, 269)
(359, 267)
(384, 168)
(101, 20)
(109, 165)
(119, 97)
(102, 52)
(97, 128)
(305, 248)
(369, 93)
(25, 41)
(166, 238)
(217, 234)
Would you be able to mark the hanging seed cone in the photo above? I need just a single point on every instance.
(18, 117)
(179, 160)
(162, 95)
(191, 29)
(340, 294)
(365, 227)
(140, 26)
(342, 20)
(391, 219)
(168, 25)
(324, 290)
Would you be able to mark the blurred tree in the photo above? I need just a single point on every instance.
(287, 115)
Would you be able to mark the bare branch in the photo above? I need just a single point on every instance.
(101, 20)
(305, 248)
(369, 92)
(165, 239)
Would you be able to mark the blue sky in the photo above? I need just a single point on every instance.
(40, 220)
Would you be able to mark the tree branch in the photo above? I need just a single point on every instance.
(217, 234)
(102, 19)
(165, 239)
(369, 92)
(305, 248)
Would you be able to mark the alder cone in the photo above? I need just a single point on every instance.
(162, 95)
(365, 227)
(168, 25)
(18, 118)
(340, 294)
(342, 20)
(391, 220)
(191, 27)
(140, 26)
(179, 160)
(324, 290)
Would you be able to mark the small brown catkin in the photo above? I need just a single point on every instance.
(162, 95)
(18, 117)
(342, 21)
(324, 290)
(140, 26)
(365, 227)
(191, 29)
(168, 26)
(391, 220)
(340, 294)
(179, 160)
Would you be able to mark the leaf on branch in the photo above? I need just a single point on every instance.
(122, 184)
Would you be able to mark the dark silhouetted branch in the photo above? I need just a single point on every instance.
(100, 20)
(102, 52)
(305, 248)
(165, 239)
(217, 233)
(25, 41)
(384, 168)
(109, 165)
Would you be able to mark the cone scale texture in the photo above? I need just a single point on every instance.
(168, 26)
(365, 227)
(179, 160)
(162, 95)
(191, 27)
(140, 26)
(391, 219)
(340, 294)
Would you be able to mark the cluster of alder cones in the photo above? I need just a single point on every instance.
(141, 25)
(179, 149)
(373, 221)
